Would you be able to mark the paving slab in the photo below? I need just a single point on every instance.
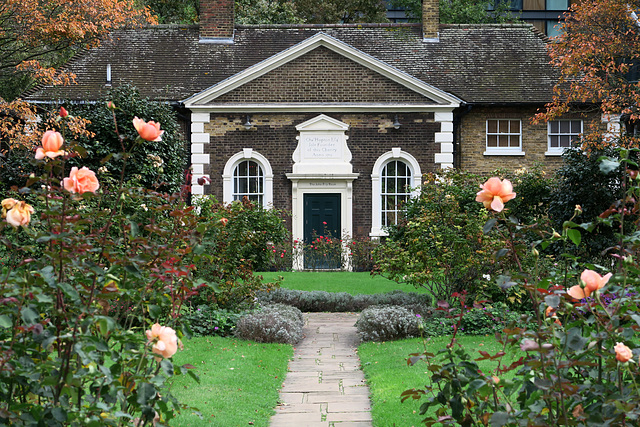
(325, 386)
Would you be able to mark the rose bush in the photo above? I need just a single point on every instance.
(94, 264)
(578, 364)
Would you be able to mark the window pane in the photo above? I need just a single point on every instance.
(253, 185)
(390, 218)
(391, 203)
(492, 140)
(565, 126)
(553, 126)
(503, 141)
(492, 126)
(565, 141)
(557, 4)
(576, 126)
(554, 141)
(391, 185)
(514, 126)
(504, 126)
(242, 169)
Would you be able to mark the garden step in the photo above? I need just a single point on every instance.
(325, 386)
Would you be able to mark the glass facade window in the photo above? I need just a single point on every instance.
(248, 181)
(396, 182)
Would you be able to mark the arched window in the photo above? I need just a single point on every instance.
(248, 181)
(395, 178)
(395, 189)
(248, 173)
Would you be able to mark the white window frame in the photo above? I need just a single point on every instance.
(230, 167)
(377, 229)
(557, 151)
(503, 151)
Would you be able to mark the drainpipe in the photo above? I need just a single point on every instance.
(457, 123)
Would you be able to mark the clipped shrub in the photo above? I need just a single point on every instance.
(321, 301)
(388, 322)
(275, 323)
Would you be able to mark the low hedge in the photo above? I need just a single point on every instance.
(321, 301)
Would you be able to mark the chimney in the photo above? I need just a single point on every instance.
(216, 20)
(430, 19)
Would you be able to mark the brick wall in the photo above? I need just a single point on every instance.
(322, 76)
(216, 18)
(473, 141)
(274, 136)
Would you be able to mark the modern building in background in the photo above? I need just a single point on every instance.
(542, 14)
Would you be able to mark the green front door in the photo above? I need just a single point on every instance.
(323, 249)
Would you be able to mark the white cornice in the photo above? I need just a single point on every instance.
(440, 97)
(321, 108)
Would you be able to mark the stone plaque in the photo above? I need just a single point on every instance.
(327, 146)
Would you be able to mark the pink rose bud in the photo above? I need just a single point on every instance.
(149, 131)
(63, 112)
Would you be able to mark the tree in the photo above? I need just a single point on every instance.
(461, 11)
(598, 56)
(37, 36)
(341, 11)
(267, 12)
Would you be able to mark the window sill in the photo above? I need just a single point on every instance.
(378, 233)
(554, 153)
(504, 153)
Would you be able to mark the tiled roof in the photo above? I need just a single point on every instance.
(477, 63)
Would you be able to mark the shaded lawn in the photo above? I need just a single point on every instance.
(353, 283)
(388, 375)
(239, 381)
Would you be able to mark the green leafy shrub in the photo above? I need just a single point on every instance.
(321, 301)
(579, 181)
(440, 244)
(387, 322)
(206, 320)
(274, 323)
(236, 246)
(161, 165)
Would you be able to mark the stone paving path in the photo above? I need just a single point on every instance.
(325, 386)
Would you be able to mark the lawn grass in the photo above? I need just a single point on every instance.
(239, 381)
(388, 375)
(338, 281)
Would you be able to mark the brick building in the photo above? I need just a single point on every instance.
(336, 123)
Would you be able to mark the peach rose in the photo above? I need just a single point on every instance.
(51, 143)
(7, 204)
(81, 181)
(495, 193)
(623, 353)
(164, 339)
(148, 131)
(578, 292)
(593, 281)
(19, 214)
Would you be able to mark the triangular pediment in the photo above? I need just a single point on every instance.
(416, 90)
(322, 123)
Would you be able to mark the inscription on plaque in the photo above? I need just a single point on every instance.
(321, 147)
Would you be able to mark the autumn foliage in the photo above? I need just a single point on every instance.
(595, 55)
(35, 36)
